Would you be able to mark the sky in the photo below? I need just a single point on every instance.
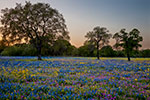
(83, 15)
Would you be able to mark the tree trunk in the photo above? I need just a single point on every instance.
(39, 53)
(128, 50)
(39, 47)
(97, 50)
(128, 55)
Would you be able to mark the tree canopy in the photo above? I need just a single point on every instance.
(37, 23)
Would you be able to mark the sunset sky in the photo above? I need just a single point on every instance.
(83, 15)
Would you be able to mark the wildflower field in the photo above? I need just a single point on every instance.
(72, 78)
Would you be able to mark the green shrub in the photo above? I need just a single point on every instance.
(19, 50)
(29, 50)
(12, 51)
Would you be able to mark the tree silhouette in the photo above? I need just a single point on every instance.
(99, 37)
(128, 41)
(37, 23)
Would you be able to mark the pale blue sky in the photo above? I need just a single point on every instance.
(83, 15)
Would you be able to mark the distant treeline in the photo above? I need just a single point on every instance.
(45, 33)
(64, 48)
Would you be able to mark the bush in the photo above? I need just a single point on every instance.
(85, 51)
(29, 50)
(145, 53)
(19, 50)
(12, 51)
(107, 51)
(119, 54)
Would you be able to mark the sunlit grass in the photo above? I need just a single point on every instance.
(120, 58)
(81, 58)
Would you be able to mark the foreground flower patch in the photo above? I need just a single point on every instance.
(67, 78)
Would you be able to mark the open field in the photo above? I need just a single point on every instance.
(74, 78)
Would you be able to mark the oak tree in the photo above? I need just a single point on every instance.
(128, 41)
(38, 23)
(99, 37)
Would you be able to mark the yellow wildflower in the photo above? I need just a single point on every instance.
(23, 71)
(32, 75)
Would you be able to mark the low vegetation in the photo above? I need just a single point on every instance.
(74, 78)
